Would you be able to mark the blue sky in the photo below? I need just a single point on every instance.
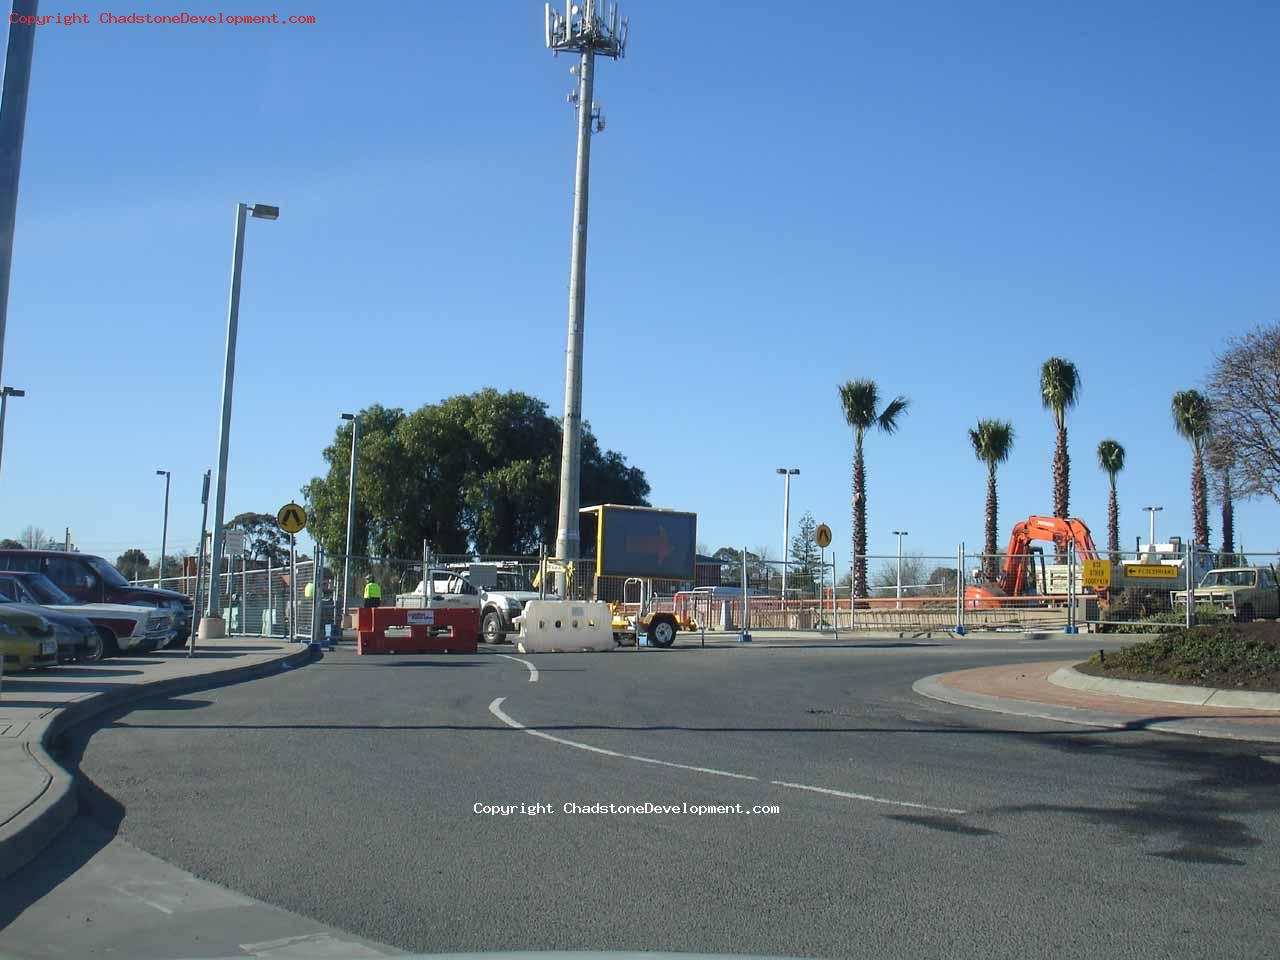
(935, 195)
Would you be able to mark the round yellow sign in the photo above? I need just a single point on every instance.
(822, 536)
(292, 518)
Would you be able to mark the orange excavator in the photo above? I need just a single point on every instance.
(1018, 577)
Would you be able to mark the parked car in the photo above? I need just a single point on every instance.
(124, 628)
(26, 640)
(78, 639)
(498, 591)
(1247, 593)
(93, 580)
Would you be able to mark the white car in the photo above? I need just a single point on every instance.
(125, 628)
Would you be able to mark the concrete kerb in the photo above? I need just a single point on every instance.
(33, 828)
(933, 688)
(1073, 679)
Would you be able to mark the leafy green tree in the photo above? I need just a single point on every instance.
(805, 556)
(860, 402)
(474, 472)
(992, 441)
(1111, 460)
(264, 540)
(1059, 392)
(1192, 417)
(133, 564)
(8, 543)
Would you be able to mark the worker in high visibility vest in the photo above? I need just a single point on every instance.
(309, 591)
(372, 593)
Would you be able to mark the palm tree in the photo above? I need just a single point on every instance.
(1191, 418)
(1111, 459)
(1059, 391)
(1222, 459)
(860, 400)
(992, 441)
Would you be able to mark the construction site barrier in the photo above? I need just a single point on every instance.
(427, 630)
(565, 626)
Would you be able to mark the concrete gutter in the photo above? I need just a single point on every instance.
(28, 830)
(1073, 679)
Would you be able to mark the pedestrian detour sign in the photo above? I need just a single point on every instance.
(1097, 574)
(822, 535)
(292, 518)
(644, 542)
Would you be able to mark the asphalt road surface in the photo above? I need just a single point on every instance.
(346, 791)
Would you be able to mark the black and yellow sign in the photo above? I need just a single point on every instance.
(1152, 571)
(1097, 573)
(822, 536)
(292, 518)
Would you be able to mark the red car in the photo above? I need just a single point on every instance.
(93, 580)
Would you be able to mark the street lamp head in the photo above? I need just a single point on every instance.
(347, 416)
(263, 211)
(11, 392)
(162, 473)
(787, 470)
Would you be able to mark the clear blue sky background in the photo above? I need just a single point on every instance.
(935, 195)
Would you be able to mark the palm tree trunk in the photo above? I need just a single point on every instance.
(1113, 523)
(1061, 475)
(1228, 521)
(1199, 501)
(993, 506)
(859, 522)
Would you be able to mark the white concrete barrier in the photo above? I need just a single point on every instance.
(564, 626)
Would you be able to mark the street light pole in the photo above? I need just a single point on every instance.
(5, 394)
(899, 534)
(1152, 511)
(13, 122)
(164, 533)
(262, 212)
(351, 506)
(787, 474)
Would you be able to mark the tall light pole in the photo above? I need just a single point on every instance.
(1151, 541)
(260, 211)
(13, 122)
(196, 606)
(351, 505)
(581, 29)
(899, 534)
(787, 474)
(5, 394)
(164, 533)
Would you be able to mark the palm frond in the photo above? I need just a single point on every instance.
(1111, 457)
(1192, 415)
(1059, 385)
(858, 401)
(992, 441)
(888, 419)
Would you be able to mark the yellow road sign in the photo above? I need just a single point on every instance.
(822, 536)
(292, 518)
(1097, 573)
(1154, 571)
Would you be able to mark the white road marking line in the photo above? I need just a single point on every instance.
(863, 796)
(159, 906)
(533, 671)
(496, 709)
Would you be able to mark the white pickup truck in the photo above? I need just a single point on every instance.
(498, 591)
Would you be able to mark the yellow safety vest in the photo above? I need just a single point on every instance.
(309, 591)
(372, 591)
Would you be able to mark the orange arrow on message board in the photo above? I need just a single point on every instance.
(659, 546)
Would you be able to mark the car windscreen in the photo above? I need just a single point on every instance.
(513, 581)
(1228, 578)
(109, 574)
(45, 590)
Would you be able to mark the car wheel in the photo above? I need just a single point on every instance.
(491, 627)
(1245, 613)
(662, 632)
(109, 646)
(94, 649)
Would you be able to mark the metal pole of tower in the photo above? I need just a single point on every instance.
(584, 31)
